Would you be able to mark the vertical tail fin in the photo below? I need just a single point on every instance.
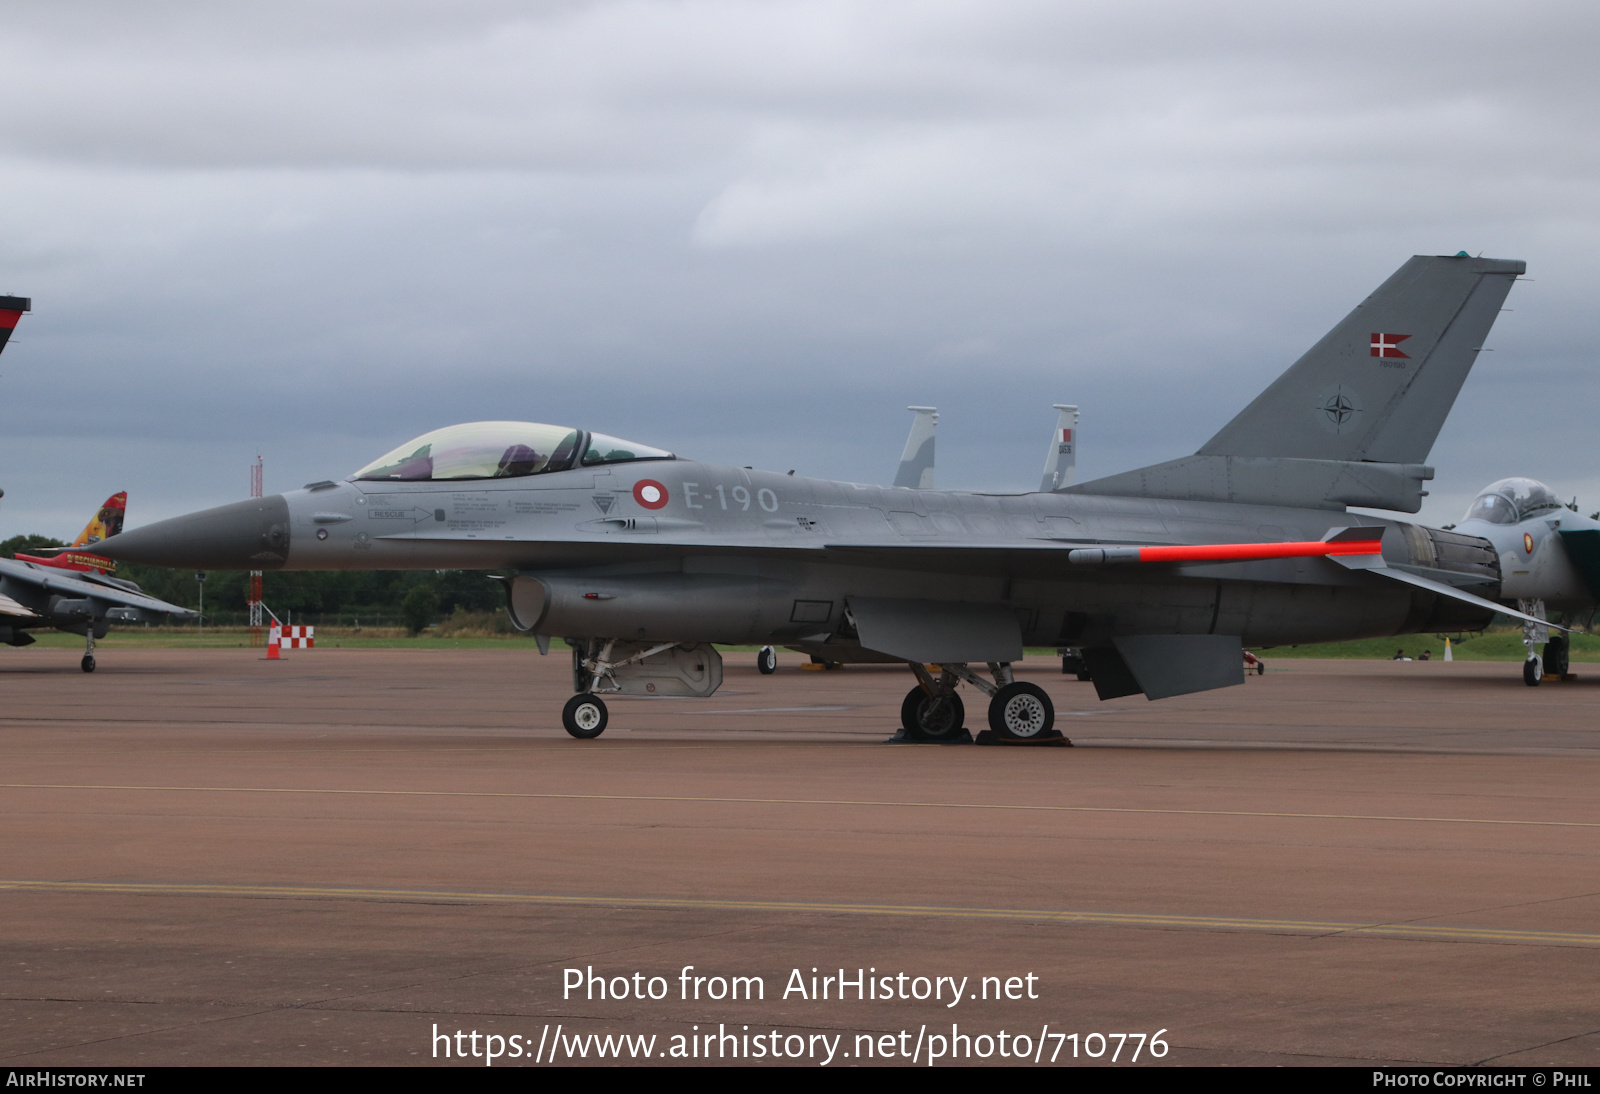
(1379, 385)
(1061, 462)
(11, 309)
(916, 463)
(105, 523)
(1351, 422)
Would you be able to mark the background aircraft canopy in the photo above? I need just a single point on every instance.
(1511, 501)
(499, 450)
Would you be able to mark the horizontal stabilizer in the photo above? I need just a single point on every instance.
(1268, 480)
(13, 608)
(935, 632)
(1374, 564)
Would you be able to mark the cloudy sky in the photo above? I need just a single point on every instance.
(753, 232)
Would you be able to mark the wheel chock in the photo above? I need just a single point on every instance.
(905, 736)
(1053, 738)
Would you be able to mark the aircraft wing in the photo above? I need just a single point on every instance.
(47, 585)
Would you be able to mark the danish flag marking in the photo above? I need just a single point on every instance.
(1388, 345)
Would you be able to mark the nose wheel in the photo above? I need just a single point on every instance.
(584, 716)
(1533, 671)
(87, 664)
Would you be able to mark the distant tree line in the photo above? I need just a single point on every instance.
(372, 596)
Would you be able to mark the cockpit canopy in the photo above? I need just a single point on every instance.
(500, 450)
(1512, 501)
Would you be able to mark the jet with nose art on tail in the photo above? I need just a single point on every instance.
(641, 559)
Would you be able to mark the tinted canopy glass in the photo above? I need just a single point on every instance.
(1511, 501)
(477, 450)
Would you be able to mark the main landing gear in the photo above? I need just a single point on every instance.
(1019, 712)
(87, 664)
(935, 715)
(767, 661)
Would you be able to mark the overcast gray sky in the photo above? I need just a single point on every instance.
(754, 232)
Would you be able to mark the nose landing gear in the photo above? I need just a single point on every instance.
(1533, 671)
(584, 716)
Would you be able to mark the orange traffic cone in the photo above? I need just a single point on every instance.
(275, 643)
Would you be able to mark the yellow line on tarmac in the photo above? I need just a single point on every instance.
(688, 799)
(1417, 931)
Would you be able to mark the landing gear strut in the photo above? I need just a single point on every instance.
(87, 664)
(1533, 636)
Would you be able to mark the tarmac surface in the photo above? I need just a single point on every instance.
(213, 859)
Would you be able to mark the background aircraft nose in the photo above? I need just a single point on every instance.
(246, 535)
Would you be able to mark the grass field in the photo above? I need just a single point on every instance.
(1503, 645)
(1489, 646)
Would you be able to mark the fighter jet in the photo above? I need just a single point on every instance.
(641, 559)
(74, 591)
(1551, 560)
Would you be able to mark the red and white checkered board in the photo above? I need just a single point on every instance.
(299, 638)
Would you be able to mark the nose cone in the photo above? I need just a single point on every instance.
(247, 535)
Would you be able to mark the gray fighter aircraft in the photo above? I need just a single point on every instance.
(74, 591)
(1551, 560)
(641, 559)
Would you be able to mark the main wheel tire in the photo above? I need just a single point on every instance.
(1557, 655)
(584, 716)
(1021, 710)
(934, 718)
(1532, 671)
(87, 664)
(767, 660)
